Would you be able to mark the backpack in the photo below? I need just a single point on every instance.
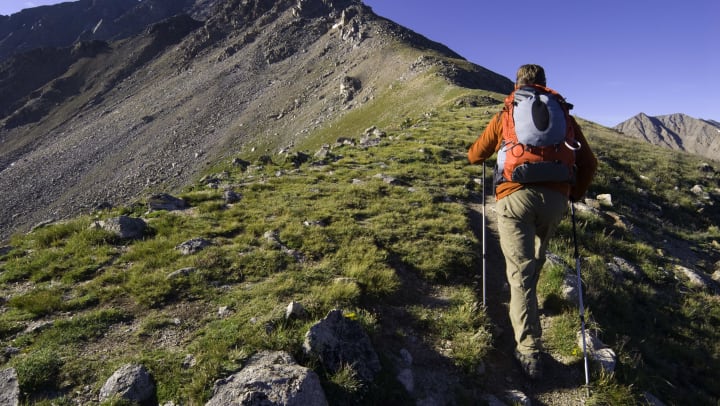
(538, 139)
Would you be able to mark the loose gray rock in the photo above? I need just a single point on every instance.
(339, 342)
(7, 353)
(242, 164)
(164, 201)
(9, 388)
(348, 87)
(605, 200)
(273, 238)
(224, 311)
(297, 158)
(231, 196)
(295, 310)
(344, 141)
(625, 267)
(126, 228)
(269, 378)
(515, 397)
(706, 168)
(189, 361)
(323, 153)
(371, 137)
(315, 223)
(569, 288)
(698, 190)
(598, 351)
(180, 273)
(130, 382)
(387, 179)
(193, 246)
(716, 274)
(694, 278)
(590, 206)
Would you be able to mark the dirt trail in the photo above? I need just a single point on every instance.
(562, 384)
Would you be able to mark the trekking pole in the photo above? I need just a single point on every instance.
(483, 236)
(580, 298)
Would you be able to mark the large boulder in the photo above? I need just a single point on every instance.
(193, 246)
(164, 201)
(126, 228)
(269, 378)
(132, 383)
(339, 342)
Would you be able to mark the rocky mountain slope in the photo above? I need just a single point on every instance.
(676, 131)
(316, 159)
(64, 24)
(98, 123)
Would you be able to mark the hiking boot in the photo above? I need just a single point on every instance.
(530, 364)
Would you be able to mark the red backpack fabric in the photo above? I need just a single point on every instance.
(538, 138)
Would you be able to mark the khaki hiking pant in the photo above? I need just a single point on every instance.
(527, 220)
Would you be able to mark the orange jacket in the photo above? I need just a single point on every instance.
(490, 140)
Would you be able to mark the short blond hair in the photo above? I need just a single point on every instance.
(530, 75)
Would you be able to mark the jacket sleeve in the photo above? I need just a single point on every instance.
(586, 163)
(488, 142)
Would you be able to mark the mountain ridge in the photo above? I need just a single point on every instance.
(64, 24)
(675, 131)
(253, 71)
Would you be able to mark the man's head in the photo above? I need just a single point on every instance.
(530, 75)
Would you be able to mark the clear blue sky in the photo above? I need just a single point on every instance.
(611, 58)
(8, 7)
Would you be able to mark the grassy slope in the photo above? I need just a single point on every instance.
(360, 240)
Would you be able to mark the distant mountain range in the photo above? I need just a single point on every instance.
(63, 24)
(676, 131)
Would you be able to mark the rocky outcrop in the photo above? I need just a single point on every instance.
(124, 227)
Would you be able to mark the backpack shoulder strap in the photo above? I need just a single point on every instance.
(570, 132)
(508, 124)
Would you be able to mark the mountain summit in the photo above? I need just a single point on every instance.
(102, 119)
(64, 24)
(676, 131)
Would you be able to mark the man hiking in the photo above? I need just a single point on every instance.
(543, 160)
